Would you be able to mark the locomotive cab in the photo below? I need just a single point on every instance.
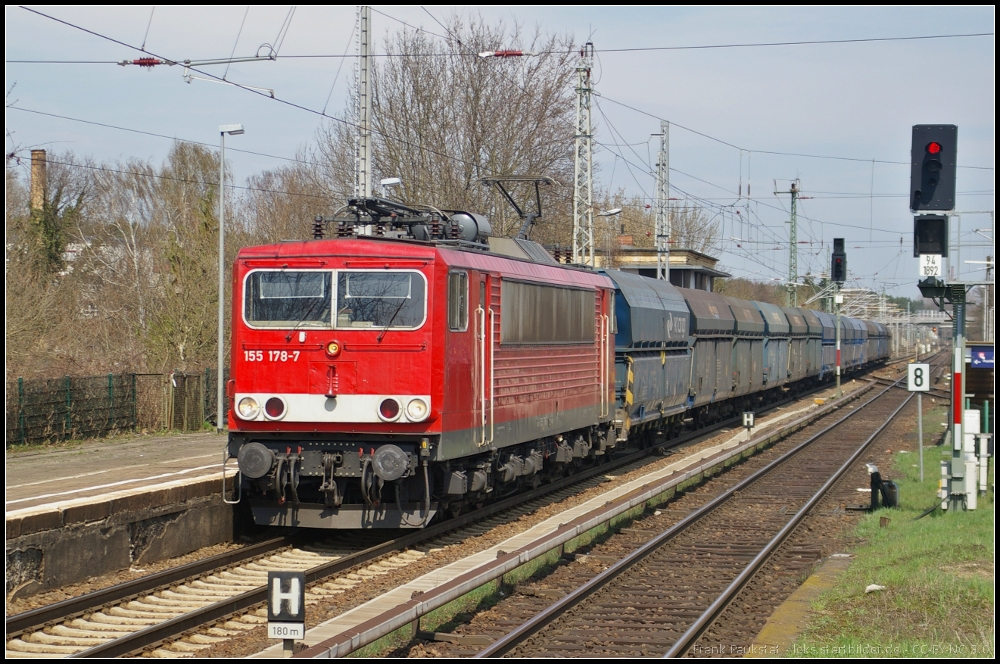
(332, 399)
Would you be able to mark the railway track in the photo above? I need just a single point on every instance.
(183, 610)
(937, 373)
(216, 599)
(662, 597)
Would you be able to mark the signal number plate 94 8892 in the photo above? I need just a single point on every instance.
(271, 355)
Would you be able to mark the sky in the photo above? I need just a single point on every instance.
(840, 115)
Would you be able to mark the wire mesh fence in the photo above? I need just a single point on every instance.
(54, 409)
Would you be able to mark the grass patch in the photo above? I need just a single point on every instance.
(938, 573)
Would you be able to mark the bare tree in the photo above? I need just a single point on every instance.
(31, 299)
(691, 227)
(280, 204)
(119, 258)
(182, 332)
(40, 290)
(443, 118)
(747, 289)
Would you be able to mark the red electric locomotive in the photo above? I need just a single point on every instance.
(381, 379)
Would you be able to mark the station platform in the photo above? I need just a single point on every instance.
(73, 513)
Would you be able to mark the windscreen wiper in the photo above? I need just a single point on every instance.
(303, 319)
(402, 301)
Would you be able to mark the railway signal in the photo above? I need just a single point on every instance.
(838, 261)
(933, 155)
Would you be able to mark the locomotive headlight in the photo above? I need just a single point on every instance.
(333, 348)
(248, 408)
(416, 410)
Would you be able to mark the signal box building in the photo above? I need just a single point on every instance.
(688, 268)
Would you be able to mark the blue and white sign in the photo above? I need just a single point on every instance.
(981, 357)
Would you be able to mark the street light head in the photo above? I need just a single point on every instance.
(231, 129)
(610, 213)
(386, 183)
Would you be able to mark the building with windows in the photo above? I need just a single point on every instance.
(688, 268)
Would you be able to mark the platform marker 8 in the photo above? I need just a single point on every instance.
(918, 377)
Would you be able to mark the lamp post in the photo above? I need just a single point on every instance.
(839, 300)
(232, 130)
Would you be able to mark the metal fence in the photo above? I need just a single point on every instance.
(54, 409)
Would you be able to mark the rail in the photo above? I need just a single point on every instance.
(171, 628)
(532, 627)
(129, 643)
(409, 612)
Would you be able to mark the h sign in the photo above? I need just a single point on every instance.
(286, 597)
(918, 377)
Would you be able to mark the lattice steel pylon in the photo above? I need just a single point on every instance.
(583, 180)
(662, 201)
(363, 163)
(793, 246)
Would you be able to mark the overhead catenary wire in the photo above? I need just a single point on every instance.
(283, 30)
(626, 161)
(771, 152)
(236, 43)
(156, 135)
(641, 49)
(173, 178)
(673, 186)
(350, 40)
(807, 42)
(689, 196)
(652, 115)
(426, 11)
(258, 92)
(280, 100)
(761, 225)
(148, 25)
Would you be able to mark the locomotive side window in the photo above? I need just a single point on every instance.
(380, 299)
(613, 318)
(458, 301)
(288, 298)
(537, 314)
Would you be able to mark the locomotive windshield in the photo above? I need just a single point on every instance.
(288, 298)
(380, 299)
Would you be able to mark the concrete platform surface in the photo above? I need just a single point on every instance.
(42, 477)
(73, 513)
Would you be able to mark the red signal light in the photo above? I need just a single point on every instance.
(934, 147)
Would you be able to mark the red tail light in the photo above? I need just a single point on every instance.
(274, 408)
(389, 409)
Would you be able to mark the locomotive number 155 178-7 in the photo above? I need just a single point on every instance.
(271, 355)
